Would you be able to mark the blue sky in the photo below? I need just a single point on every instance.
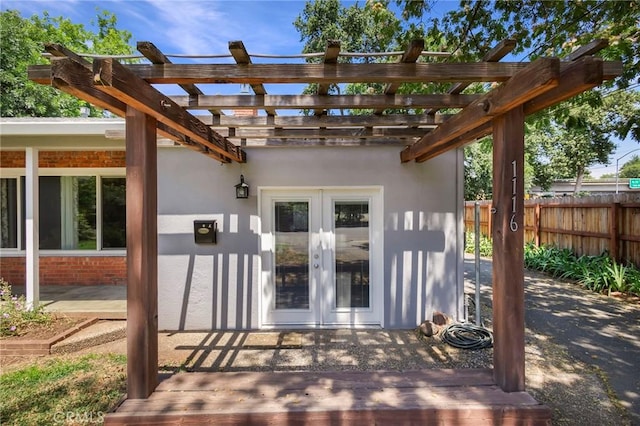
(206, 27)
(187, 27)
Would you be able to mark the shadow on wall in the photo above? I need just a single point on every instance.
(207, 286)
(215, 287)
(420, 266)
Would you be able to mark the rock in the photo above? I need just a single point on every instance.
(441, 318)
(428, 328)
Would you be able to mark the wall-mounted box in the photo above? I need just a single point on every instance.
(205, 231)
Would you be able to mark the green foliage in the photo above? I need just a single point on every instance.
(15, 315)
(63, 391)
(579, 134)
(486, 246)
(359, 29)
(22, 43)
(542, 28)
(631, 168)
(597, 273)
(478, 170)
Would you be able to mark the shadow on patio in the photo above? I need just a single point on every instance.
(323, 377)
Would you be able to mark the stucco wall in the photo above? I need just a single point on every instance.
(218, 286)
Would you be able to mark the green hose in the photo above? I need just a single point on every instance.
(467, 336)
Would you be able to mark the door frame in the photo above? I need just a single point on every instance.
(324, 278)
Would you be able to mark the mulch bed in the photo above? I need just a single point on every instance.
(38, 338)
(57, 325)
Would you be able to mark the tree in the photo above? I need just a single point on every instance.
(478, 170)
(22, 44)
(574, 135)
(579, 134)
(542, 28)
(631, 169)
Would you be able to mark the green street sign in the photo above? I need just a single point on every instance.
(634, 183)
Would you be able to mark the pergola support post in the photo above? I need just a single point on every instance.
(508, 250)
(142, 254)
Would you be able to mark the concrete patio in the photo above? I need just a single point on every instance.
(102, 301)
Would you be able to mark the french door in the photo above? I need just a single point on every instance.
(321, 257)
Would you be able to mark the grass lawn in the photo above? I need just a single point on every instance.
(64, 390)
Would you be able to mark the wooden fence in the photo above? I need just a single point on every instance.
(588, 225)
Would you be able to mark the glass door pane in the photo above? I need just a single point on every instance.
(351, 227)
(291, 254)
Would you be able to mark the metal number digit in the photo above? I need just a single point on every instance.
(513, 225)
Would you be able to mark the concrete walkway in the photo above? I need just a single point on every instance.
(101, 301)
(601, 332)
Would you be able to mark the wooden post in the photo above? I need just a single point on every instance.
(508, 250)
(614, 231)
(142, 255)
(537, 218)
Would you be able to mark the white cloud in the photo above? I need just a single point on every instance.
(206, 27)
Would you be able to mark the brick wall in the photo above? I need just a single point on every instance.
(69, 270)
(54, 159)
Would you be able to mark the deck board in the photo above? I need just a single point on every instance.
(323, 398)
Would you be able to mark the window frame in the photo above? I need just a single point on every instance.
(99, 173)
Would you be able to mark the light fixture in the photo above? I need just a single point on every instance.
(242, 189)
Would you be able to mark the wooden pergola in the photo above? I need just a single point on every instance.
(517, 89)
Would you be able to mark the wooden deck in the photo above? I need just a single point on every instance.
(425, 397)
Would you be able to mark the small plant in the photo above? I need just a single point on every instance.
(617, 273)
(15, 315)
(596, 273)
(486, 246)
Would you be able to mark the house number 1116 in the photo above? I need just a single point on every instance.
(513, 225)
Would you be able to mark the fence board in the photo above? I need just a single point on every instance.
(587, 225)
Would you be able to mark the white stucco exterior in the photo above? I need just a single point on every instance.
(219, 286)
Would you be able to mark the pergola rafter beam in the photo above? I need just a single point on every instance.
(320, 73)
(323, 102)
(112, 77)
(75, 77)
(330, 57)
(386, 120)
(588, 49)
(537, 78)
(337, 142)
(316, 73)
(241, 56)
(501, 50)
(280, 133)
(410, 55)
(580, 76)
(155, 56)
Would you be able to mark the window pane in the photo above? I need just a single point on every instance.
(83, 195)
(292, 255)
(114, 213)
(50, 205)
(351, 221)
(67, 212)
(8, 213)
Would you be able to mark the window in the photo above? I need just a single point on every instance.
(114, 213)
(71, 218)
(8, 213)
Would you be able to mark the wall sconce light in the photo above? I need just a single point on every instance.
(242, 189)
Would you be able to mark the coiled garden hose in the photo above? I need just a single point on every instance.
(467, 336)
